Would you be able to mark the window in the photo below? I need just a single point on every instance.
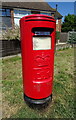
(35, 12)
(8, 12)
(0, 12)
(5, 12)
(46, 13)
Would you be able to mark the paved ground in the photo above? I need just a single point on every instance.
(10, 56)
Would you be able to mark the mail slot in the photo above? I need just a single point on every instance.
(37, 46)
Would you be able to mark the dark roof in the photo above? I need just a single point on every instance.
(58, 15)
(44, 6)
(29, 5)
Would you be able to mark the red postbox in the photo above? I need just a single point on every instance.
(37, 43)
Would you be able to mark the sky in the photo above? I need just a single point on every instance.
(64, 8)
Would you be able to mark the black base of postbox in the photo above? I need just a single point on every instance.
(38, 101)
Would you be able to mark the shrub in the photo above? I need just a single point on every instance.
(57, 35)
(11, 34)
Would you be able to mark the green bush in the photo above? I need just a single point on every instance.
(11, 34)
(57, 35)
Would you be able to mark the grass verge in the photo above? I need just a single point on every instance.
(62, 105)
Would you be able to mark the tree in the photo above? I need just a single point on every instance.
(69, 23)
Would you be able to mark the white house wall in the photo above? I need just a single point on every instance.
(18, 14)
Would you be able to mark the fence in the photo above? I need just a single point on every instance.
(9, 47)
(72, 37)
(63, 37)
(13, 47)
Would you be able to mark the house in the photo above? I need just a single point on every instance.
(13, 11)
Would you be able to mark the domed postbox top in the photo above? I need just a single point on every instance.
(37, 17)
